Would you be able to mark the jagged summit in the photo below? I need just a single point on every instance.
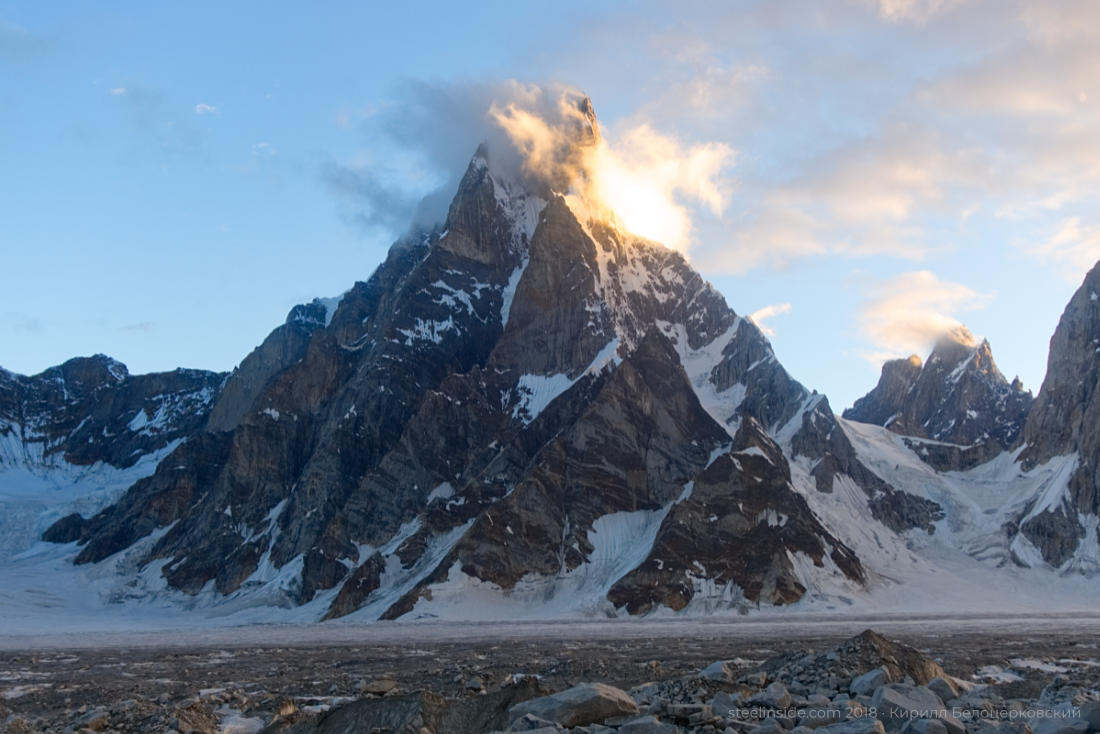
(508, 400)
(958, 396)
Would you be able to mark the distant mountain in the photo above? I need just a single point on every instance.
(526, 411)
(958, 397)
(92, 409)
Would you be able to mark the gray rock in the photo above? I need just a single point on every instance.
(774, 696)
(868, 683)
(770, 726)
(924, 726)
(378, 687)
(723, 703)
(1090, 712)
(756, 680)
(587, 703)
(862, 725)
(718, 670)
(96, 720)
(1012, 727)
(530, 722)
(648, 725)
(1061, 726)
(815, 717)
(897, 704)
(943, 688)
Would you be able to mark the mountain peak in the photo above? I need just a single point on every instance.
(958, 396)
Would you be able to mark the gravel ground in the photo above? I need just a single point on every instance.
(242, 677)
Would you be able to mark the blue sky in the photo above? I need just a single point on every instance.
(176, 177)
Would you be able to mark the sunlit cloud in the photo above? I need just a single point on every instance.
(641, 178)
(205, 109)
(759, 316)
(905, 314)
(117, 91)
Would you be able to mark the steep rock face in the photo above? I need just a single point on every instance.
(957, 397)
(887, 400)
(282, 348)
(91, 409)
(734, 531)
(1066, 420)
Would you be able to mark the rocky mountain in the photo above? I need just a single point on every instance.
(91, 409)
(525, 399)
(75, 436)
(526, 409)
(958, 400)
(1065, 421)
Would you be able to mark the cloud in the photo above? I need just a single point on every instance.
(905, 314)
(759, 316)
(872, 197)
(640, 178)
(543, 133)
(1074, 249)
(205, 109)
(910, 10)
(117, 91)
(372, 200)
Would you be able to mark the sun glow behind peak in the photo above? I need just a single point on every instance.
(640, 180)
(645, 179)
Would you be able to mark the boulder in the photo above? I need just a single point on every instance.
(868, 683)
(775, 696)
(421, 713)
(944, 688)
(718, 670)
(723, 703)
(897, 704)
(378, 687)
(587, 703)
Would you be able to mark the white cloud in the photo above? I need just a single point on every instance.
(911, 10)
(118, 91)
(759, 316)
(1074, 249)
(905, 314)
(205, 109)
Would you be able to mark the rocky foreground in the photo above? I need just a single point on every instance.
(867, 684)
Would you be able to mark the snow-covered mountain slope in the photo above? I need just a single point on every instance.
(76, 436)
(529, 412)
